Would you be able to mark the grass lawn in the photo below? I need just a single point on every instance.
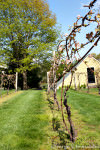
(87, 105)
(4, 92)
(29, 122)
(94, 91)
(86, 117)
(23, 122)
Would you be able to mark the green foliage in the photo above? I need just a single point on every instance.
(44, 86)
(45, 65)
(34, 78)
(83, 86)
(27, 34)
(55, 123)
(71, 87)
(97, 56)
(27, 31)
(63, 66)
(60, 70)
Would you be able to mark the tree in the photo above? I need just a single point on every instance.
(97, 56)
(27, 31)
(72, 48)
(33, 78)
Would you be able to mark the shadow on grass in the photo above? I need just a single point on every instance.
(63, 136)
(56, 125)
(51, 104)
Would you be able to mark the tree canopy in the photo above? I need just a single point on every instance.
(97, 56)
(27, 32)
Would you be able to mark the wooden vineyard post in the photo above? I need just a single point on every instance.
(54, 81)
(2, 79)
(48, 82)
(16, 81)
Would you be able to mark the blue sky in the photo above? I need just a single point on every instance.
(66, 12)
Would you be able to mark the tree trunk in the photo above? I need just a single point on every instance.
(72, 129)
(24, 80)
(98, 85)
(48, 82)
(99, 89)
(54, 83)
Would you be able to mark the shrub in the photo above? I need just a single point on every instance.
(83, 86)
(71, 87)
(43, 85)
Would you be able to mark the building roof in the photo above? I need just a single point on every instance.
(73, 68)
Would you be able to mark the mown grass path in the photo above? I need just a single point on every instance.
(23, 122)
